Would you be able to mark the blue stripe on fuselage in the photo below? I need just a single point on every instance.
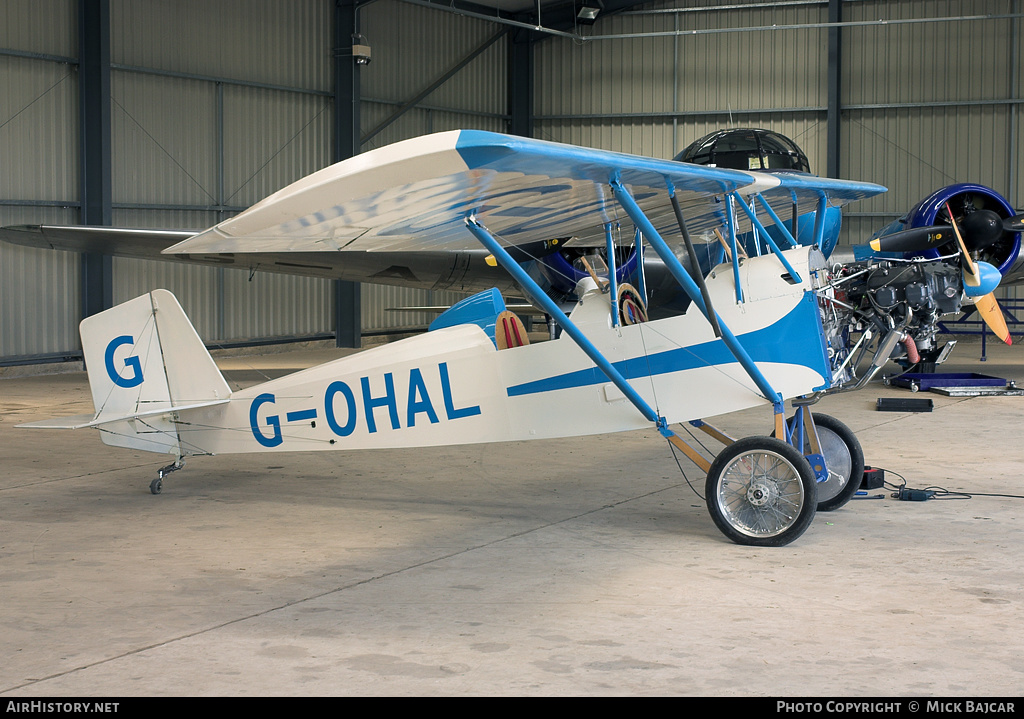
(794, 339)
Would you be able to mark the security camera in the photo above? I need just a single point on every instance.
(360, 50)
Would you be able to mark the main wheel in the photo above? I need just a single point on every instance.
(761, 491)
(844, 460)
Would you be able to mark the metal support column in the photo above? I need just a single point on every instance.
(1014, 58)
(520, 83)
(347, 307)
(835, 15)
(95, 147)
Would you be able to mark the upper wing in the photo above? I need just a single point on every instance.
(144, 244)
(416, 194)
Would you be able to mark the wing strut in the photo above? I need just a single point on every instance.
(768, 238)
(778, 223)
(638, 242)
(686, 282)
(731, 221)
(541, 299)
(613, 287)
(819, 220)
(694, 263)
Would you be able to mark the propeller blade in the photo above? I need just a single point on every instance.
(915, 239)
(1014, 224)
(967, 266)
(988, 308)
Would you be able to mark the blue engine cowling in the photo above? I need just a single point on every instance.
(963, 198)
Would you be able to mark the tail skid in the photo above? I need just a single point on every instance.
(145, 363)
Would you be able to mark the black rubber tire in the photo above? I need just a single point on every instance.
(761, 492)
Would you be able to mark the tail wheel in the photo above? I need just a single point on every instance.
(761, 492)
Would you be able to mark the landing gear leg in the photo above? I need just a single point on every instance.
(157, 485)
(843, 455)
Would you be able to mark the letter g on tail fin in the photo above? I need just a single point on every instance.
(145, 359)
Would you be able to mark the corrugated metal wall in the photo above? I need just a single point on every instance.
(923, 104)
(928, 104)
(39, 289)
(655, 95)
(217, 104)
(413, 47)
(214, 106)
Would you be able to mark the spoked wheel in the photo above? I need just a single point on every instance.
(844, 460)
(761, 492)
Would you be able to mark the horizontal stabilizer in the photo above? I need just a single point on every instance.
(82, 421)
(77, 421)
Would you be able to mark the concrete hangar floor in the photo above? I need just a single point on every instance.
(569, 567)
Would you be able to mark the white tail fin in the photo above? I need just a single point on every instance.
(145, 361)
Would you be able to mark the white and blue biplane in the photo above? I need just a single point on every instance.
(916, 273)
(752, 335)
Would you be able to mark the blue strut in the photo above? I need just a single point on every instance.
(638, 241)
(768, 238)
(731, 219)
(540, 298)
(819, 220)
(775, 218)
(686, 282)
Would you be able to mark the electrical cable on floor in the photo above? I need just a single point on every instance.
(901, 491)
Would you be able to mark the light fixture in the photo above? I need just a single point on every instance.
(587, 14)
